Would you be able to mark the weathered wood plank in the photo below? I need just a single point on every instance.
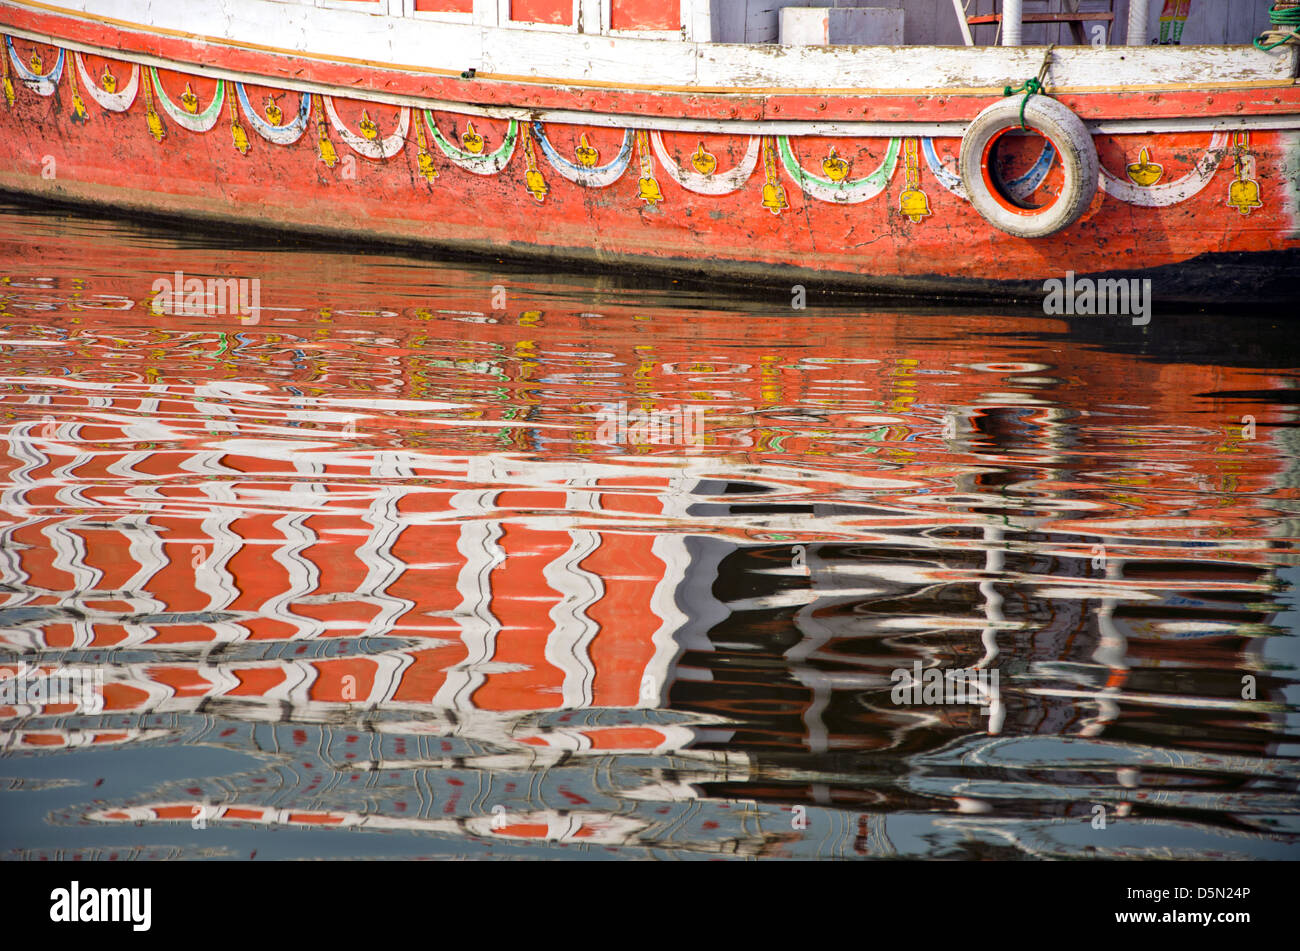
(634, 61)
(902, 67)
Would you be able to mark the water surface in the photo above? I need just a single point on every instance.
(438, 559)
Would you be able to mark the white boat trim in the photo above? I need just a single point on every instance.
(528, 54)
(379, 148)
(1174, 192)
(119, 101)
(745, 127)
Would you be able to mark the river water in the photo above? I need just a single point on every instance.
(399, 558)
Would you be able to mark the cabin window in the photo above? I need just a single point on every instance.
(663, 19)
(553, 12)
(655, 15)
(455, 9)
(370, 6)
(442, 6)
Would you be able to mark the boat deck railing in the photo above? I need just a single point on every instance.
(854, 22)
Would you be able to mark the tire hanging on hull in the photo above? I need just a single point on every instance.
(992, 197)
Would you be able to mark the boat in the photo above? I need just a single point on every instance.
(676, 136)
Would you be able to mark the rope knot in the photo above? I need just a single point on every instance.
(1030, 87)
(1033, 86)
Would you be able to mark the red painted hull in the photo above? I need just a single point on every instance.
(770, 228)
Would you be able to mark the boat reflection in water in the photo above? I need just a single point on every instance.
(390, 555)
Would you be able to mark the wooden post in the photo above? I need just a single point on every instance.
(697, 17)
(1012, 13)
(1139, 22)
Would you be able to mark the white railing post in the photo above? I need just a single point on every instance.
(960, 9)
(697, 17)
(1012, 13)
(1139, 22)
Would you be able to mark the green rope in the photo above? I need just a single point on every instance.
(1029, 87)
(1033, 86)
(1288, 18)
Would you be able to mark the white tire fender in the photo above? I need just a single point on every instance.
(1074, 149)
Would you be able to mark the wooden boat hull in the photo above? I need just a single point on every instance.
(1201, 195)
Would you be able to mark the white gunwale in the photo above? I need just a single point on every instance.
(622, 62)
(607, 119)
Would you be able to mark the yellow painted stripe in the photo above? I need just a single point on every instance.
(552, 82)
